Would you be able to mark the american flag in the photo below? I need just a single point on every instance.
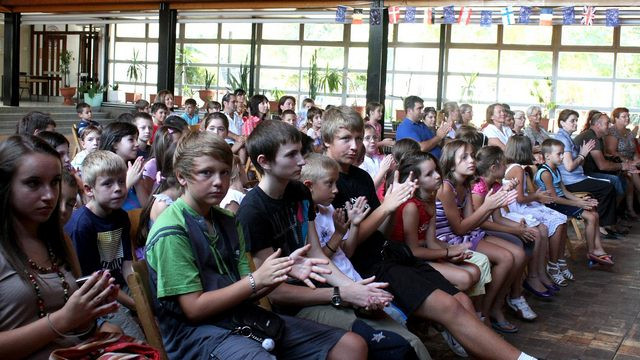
(588, 14)
(394, 14)
(464, 18)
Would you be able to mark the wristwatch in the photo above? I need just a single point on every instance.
(336, 300)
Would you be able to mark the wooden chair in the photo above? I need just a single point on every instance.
(249, 167)
(140, 290)
(576, 227)
(134, 219)
(195, 128)
(76, 141)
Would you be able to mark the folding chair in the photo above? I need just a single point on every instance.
(140, 290)
(76, 141)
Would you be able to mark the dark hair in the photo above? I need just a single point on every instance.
(34, 120)
(371, 107)
(217, 115)
(53, 138)
(564, 115)
(548, 144)
(125, 117)
(12, 153)
(489, 114)
(68, 178)
(267, 138)
(471, 135)
(239, 92)
(81, 106)
(114, 132)
(190, 102)
(410, 102)
(289, 112)
(448, 160)
(487, 157)
(253, 105)
(429, 109)
(227, 97)
(404, 146)
(312, 112)
(284, 99)
(141, 104)
(307, 101)
(177, 123)
(157, 106)
(142, 115)
(89, 129)
(518, 150)
(212, 105)
(410, 163)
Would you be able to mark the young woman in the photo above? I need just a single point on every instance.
(258, 110)
(60, 143)
(42, 307)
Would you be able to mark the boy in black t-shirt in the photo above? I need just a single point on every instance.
(419, 290)
(279, 213)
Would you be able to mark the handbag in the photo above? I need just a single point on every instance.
(258, 324)
(105, 346)
(398, 253)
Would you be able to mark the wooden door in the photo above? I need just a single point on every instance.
(53, 45)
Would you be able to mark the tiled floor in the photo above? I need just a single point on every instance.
(596, 317)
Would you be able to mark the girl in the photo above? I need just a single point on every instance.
(198, 291)
(490, 170)
(60, 143)
(122, 139)
(415, 225)
(151, 173)
(218, 123)
(374, 114)
(42, 308)
(457, 223)
(495, 130)
(374, 164)
(258, 110)
(236, 192)
(519, 157)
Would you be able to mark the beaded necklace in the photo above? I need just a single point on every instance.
(55, 268)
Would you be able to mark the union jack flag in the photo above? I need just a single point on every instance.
(588, 14)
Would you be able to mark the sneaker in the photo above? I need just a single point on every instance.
(564, 270)
(520, 306)
(556, 275)
(454, 345)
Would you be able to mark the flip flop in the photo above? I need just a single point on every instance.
(504, 327)
(603, 259)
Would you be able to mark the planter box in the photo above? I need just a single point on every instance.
(132, 97)
(94, 102)
(115, 96)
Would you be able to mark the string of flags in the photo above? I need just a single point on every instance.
(463, 15)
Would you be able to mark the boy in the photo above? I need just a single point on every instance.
(419, 290)
(190, 114)
(35, 122)
(100, 229)
(279, 214)
(289, 116)
(142, 106)
(159, 112)
(213, 106)
(548, 178)
(90, 141)
(200, 272)
(144, 123)
(314, 119)
(307, 104)
(86, 117)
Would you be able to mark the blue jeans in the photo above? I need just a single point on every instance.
(618, 182)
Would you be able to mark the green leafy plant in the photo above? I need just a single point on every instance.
(65, 61)
(331, 80)
(542, 93)
(187, 91)
(208, 79)
(134, 71)
(313, 76)
(277, 94)
(328, 81)
(92, 88)
(469, 88)
(115, 87)
(242, 81)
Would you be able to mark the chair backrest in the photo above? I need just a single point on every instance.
(134, 219)
(139, 287)
(76, 140)
(194, 128)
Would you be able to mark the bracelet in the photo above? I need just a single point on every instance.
(580, 155)
(252, 282)
(447, 252)
(67, 335)
(329, 247)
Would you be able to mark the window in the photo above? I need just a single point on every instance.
(527, 35)
(473, 34)
(281, 31)
(587, 35)
(418, 33)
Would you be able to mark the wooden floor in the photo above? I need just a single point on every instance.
(595, 317)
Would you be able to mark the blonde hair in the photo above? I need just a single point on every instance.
(101, 163)
(340, 117)
(318, 166)
(196, 144)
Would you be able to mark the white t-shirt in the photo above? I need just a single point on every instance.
(325, 229)
(371, 165)
(492, 131)
(232, 195)
(76, 163)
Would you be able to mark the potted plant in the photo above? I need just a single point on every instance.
(542, 93)
(93, 93)
(330, 81)
(206, 94)
(242, 81)
(134, 73)
(115, 94)
(67, 91)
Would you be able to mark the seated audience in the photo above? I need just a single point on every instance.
(412, 127)
(34, 122)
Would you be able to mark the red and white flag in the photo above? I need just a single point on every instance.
(394, 14)
(588, 14)
(428, 16)
(464, 18)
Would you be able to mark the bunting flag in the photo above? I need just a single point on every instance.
(508, 18)
(356, 18)
(588, 14)
(464, 18)
(375, 17)
(486, 18)
(568, 15)
(612, 17)
(394, 14)
(525, 15)
(410, 14)
(449, 15)
(546, 16)
(341, 14)
(428, 16)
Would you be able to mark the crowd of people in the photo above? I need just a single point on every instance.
(349, 243)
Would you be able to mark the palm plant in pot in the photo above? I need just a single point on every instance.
(206, 94)
(67, 91)
(134, 73)
(115, 94)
